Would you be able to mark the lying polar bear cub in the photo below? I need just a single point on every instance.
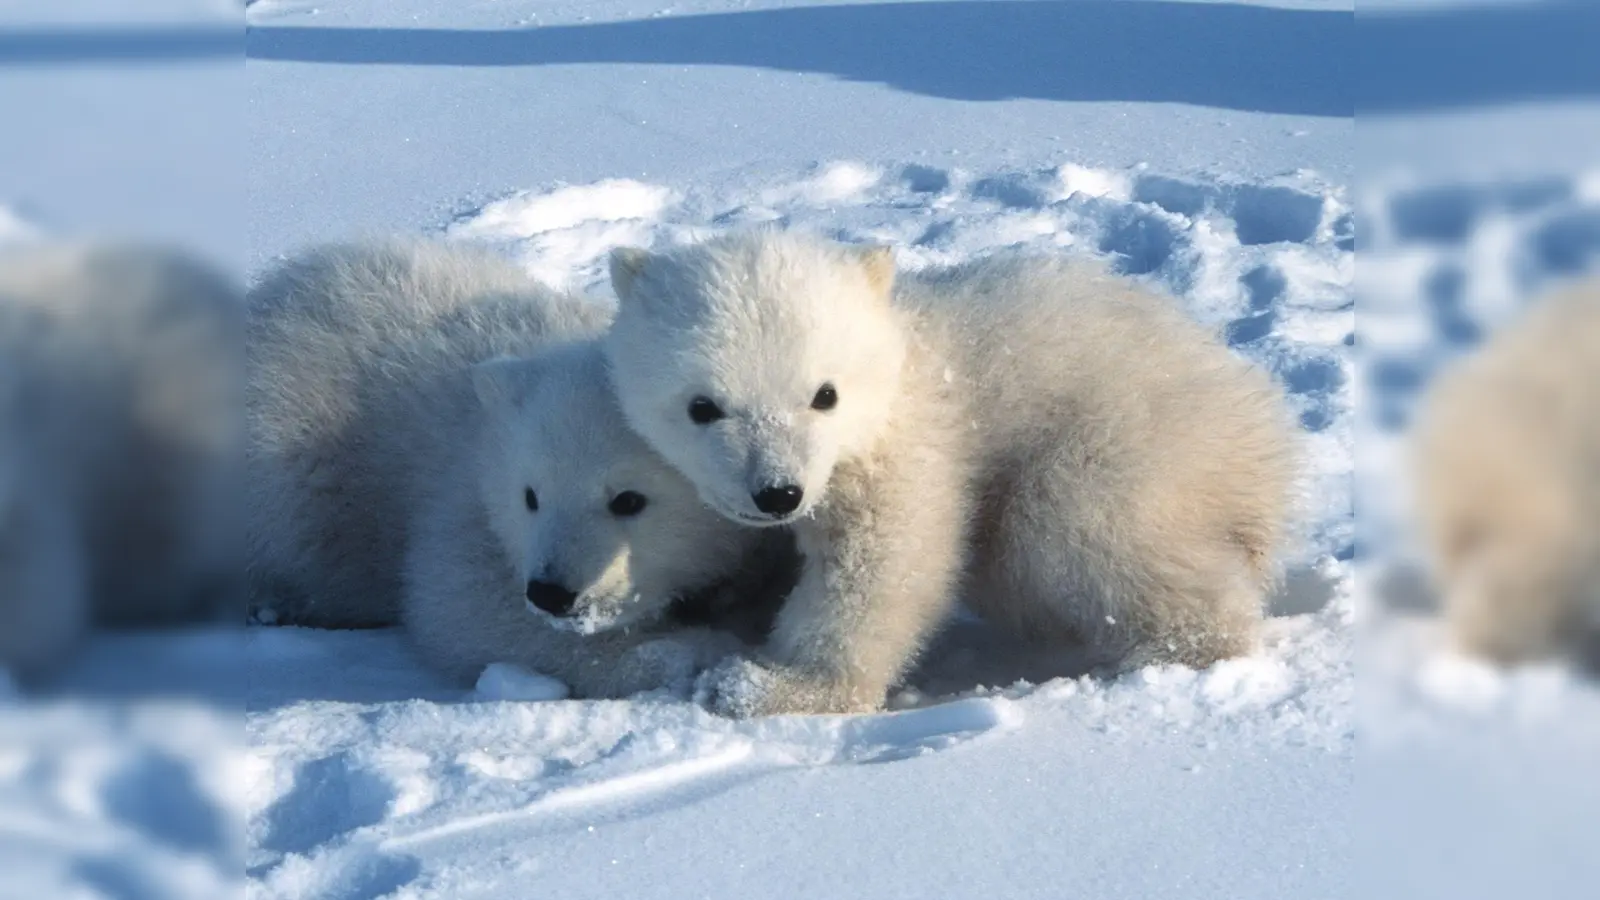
(431, 439)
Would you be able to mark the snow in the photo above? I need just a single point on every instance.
(505, 681)
(287, 763)
(457, 104)
(525, 215)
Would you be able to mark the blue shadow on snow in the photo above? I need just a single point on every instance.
(126, 45)
(1257, 58)
(1222, 55)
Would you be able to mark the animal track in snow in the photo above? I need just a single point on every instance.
(352, 815)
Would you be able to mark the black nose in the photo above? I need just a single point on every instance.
(552, 598)
(778, 501)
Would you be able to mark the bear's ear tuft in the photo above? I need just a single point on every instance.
(503, 382)
(627, 263)
(878, 261)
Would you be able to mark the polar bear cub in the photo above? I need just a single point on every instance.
(1507, 469)
(431, 439)
(555, 500)
(119, 402)
(1069, 453)
(359, 390)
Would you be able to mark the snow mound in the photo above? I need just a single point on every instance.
(567, 228)
(505, 681)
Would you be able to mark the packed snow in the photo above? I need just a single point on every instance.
(554, 130)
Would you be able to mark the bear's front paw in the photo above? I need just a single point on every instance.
(661, 663)
(741, 689)
(737, 688)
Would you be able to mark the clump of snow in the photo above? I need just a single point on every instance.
(507, 681)
(836, 182)
(1076, 179)
(566, 231)
(529, 213)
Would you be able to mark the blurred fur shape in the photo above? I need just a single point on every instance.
(120, 384)
(1507, 463)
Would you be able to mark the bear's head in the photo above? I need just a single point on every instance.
(600, 530)
(754, 362)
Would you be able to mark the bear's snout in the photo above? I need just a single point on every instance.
(778, 501)
(552, 598)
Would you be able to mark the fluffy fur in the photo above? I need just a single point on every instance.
(359, 387)
(1507, 468)
(119, 391)
(404, 401)
(1070, 453)
(550, 423)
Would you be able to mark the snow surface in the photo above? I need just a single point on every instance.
(555, 130)
(368, 115)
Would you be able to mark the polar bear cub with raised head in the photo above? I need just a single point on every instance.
(1507, 468)
(1066, 451)
(554, 499)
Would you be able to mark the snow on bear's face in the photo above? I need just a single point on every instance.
(755, 362)
(601, 531)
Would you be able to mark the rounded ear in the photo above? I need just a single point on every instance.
(503, 382)
(878, 261)
(626, 265)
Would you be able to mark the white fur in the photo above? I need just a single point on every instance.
(1507, 467)
(1069, 452)
(118, 443)
(551, 422)
(359, 388)
(402, 398)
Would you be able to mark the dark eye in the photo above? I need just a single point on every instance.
(530, 499)
(702, 411)
(827, 398)
(628, 503)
